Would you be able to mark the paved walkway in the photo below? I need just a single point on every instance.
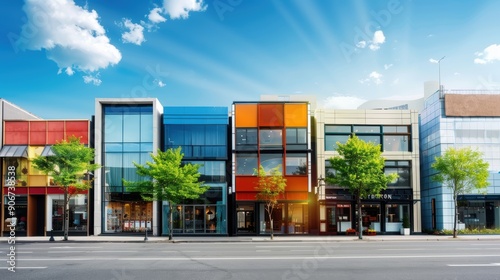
(306, 238)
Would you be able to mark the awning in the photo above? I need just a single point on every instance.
(14, 151)
(47, 151)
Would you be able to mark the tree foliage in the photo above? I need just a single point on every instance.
(167, 178)
(462, 171)
(270, 186)
(359, 167)
(68, 166)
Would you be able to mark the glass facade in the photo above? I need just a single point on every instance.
(439, 132)
(127, 138)
(201, 132)
(391, 137)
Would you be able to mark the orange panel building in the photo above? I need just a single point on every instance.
(271, 134)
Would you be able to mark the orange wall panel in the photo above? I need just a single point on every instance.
(296, 115)
(271, 115)
(38, 138)
(245, 115)
(296, 183)
(296, 195)
(246, 196)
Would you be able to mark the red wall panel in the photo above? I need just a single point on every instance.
(246, 183)
(79, 129)
(55, 132)
(16, 133)
(271, 115)
(37, 190)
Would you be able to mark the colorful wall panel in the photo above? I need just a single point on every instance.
(246, 115)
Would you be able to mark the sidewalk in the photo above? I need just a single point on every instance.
(215, 239)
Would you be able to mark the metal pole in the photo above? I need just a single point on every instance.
(439, 72)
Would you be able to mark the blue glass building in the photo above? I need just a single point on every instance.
(201, 132)
(126, 131)
(460, 119)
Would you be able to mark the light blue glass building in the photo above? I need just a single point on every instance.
(126, 131)
(460, 119)
(201, 132)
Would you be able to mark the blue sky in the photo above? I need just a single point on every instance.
(58, 56)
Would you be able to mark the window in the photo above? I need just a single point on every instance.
(271, 139)
(397, 138)
(246, 139)
(246, 164)
(296, 138)
(296, 164)
(270, 161)
(403, 169)
(197, 141)
(331, 141)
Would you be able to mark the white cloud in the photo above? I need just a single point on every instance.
(432, 60)
(361, 44)
(71, 35)
(135, 34)
(387, 66)
(342, 102)
(378, 39)
(92, 79)
(489, 55)
(373, 77)
(160, 83)
(181, 8)
(69, 71)
(155, 17)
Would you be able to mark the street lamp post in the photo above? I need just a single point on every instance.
(439, 72)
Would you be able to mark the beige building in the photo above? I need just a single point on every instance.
(397, 132)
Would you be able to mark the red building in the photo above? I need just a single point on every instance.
(37, 201)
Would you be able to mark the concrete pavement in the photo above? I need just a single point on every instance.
(293, 238)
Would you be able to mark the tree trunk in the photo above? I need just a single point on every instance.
(456, 216)
(170, 222)
(272, 232)
(66, 214)
(360, 218)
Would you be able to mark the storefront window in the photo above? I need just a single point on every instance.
(298, 218)
(78, 215)
(128, 216)
(21, 214)
(371, 216)
(394, 214)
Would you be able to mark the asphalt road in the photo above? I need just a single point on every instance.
(373, 260)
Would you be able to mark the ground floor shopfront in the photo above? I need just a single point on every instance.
(479, 211)
(291, 217)
(382, 213)
(40, 212)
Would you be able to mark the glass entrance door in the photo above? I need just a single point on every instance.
(245, 221)
(331, 222)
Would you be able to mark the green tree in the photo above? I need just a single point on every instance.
(168, 179)
(70, 167)
(270, 186)
(359, 167)
(462, 171)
